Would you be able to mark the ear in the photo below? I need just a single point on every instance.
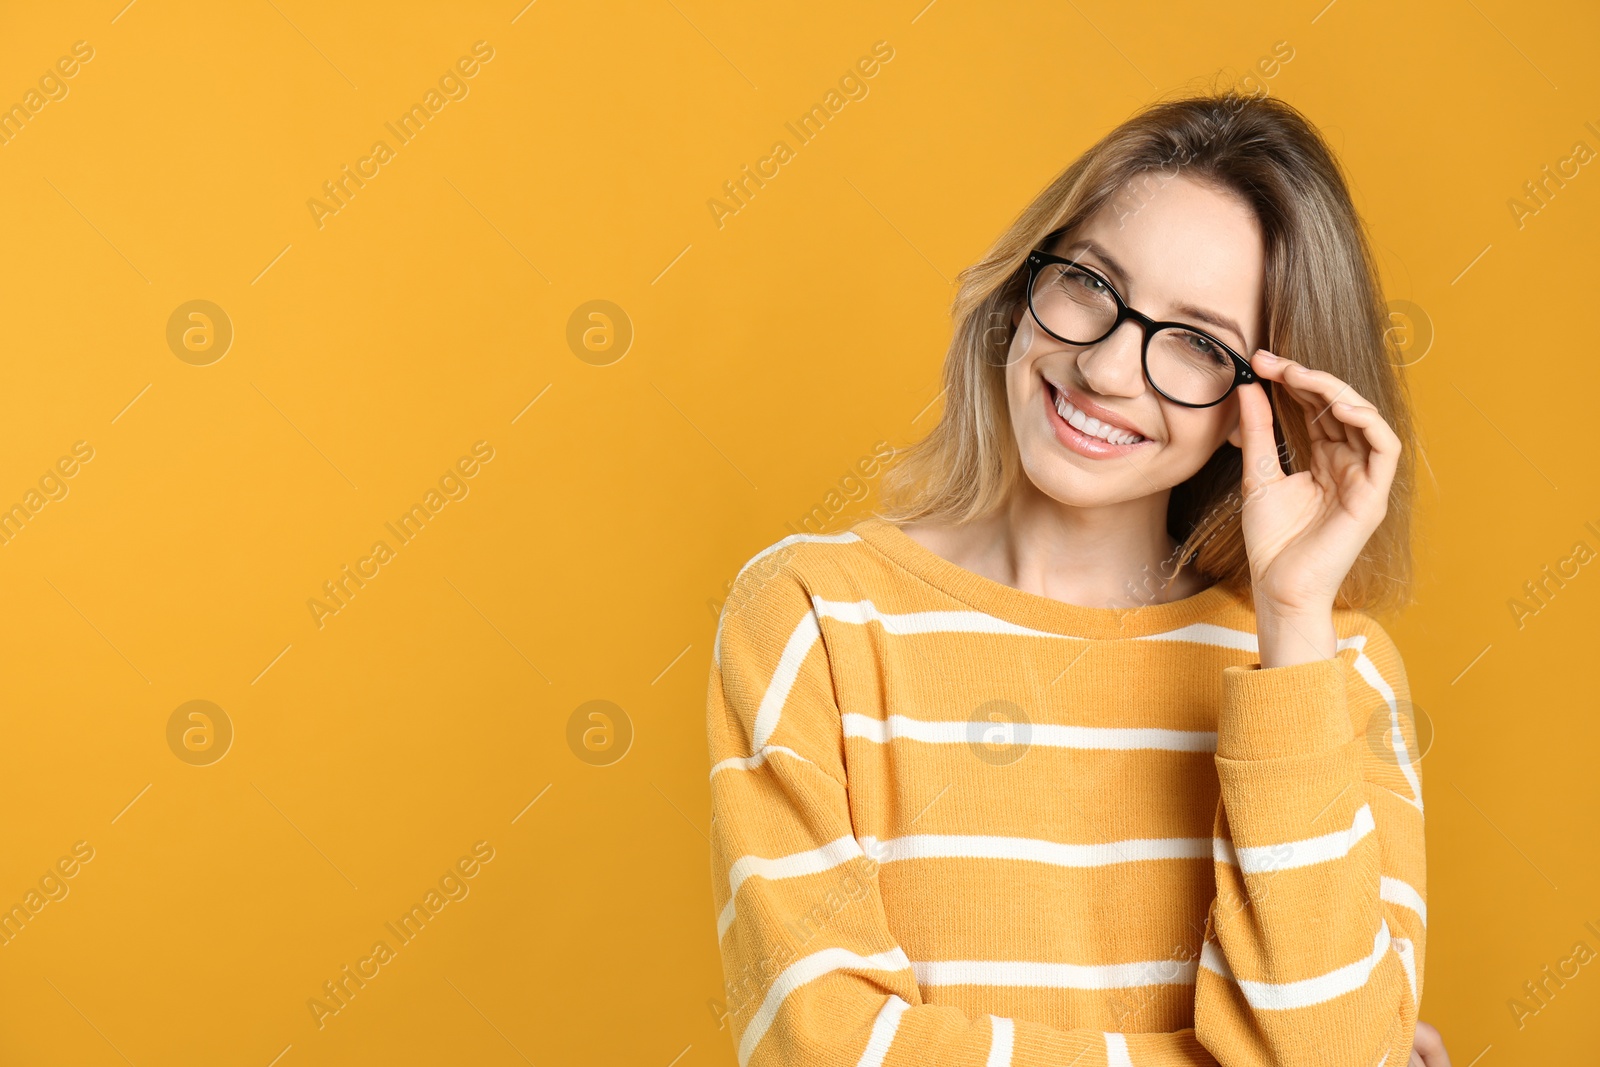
(1016, 316)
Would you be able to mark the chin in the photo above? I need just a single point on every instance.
(1065, 482)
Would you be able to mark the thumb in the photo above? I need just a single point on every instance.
(1257, 443)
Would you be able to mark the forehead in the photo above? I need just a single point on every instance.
(1181, 242)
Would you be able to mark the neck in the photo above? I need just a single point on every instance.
(1112, 556)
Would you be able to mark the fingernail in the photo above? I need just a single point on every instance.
(1267, 356)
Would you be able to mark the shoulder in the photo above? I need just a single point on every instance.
(773, 589)
(809, 560)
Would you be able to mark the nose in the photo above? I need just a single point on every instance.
(1111, 366)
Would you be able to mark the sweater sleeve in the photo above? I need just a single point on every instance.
(814, 976)
(1314, 944)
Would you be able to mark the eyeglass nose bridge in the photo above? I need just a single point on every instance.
(1147, 325)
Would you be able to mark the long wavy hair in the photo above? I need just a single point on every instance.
(1324, 308)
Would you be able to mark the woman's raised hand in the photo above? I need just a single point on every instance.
(1303, 531)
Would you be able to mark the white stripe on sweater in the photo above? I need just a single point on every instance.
(1033, 850)
(812, 861)
(1402, 893)
(1208, 633)
(794, 539)
(1369, 671)
(750, 763)
(1050, 735)
(809, 969)
(1281, 996)
(1261, 859)
(1002, 1037)
(1117, 1050)
(772, 701)
(883, 1030)
(1054, 975)
(925, 622)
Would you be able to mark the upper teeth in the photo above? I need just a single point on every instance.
(1093, 427)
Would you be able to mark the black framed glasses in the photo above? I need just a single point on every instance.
(1076, 304)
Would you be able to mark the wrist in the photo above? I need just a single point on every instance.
(1286, 637)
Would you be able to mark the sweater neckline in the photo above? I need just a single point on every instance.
(1032, 610)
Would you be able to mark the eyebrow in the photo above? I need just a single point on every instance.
(1211, 318)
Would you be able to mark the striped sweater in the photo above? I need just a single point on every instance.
(958, 823)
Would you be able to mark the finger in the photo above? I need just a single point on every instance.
(1354, 451)
(1320, 425)
(1257, 442)
(1285, 373)
(1383, 446)
(1316, 401)
(1312, 408)
(1322, 383)
(1357, 449)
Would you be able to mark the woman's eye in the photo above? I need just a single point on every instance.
(1087, 281)
(1204, 347)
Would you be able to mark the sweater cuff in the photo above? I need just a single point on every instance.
(1267, 713)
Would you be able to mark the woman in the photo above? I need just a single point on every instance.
(1085, 749)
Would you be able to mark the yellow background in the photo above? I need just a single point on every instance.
(769, 355)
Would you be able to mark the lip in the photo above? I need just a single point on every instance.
(1082, 443)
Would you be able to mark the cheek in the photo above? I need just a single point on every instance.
(1199, 432)
(1017, 365)
(1022, 343)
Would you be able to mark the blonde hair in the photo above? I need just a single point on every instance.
(1324, 307)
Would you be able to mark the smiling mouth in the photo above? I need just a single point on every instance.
(1091, 427)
